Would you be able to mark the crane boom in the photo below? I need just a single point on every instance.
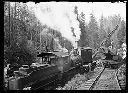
(109, 35)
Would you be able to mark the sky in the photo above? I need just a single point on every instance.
(98, 8)
(60, 15)
(105, 8)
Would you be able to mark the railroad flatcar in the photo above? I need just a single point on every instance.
(112, 60)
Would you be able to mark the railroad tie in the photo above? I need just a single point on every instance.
(89, 82)
(86, 85)
(84, 88)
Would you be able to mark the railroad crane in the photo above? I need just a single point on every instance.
(107, 42)
(110, 58)
(104, 44)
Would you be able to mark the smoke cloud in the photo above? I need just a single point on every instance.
(59, 16)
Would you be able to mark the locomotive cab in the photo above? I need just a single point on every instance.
(46, 57)
(86, 55)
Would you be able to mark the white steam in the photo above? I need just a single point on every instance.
(59, 16)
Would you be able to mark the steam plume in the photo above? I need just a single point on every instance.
(59, 16)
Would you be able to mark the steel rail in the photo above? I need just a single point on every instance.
(96, 79)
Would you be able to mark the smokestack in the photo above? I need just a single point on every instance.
(76, 42)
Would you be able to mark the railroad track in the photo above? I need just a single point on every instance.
(120, 83)
(96, 79)
(89, 85)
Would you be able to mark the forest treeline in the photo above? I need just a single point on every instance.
(25, 36)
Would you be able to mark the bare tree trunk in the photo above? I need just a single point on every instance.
(40, 41)
(9, 25)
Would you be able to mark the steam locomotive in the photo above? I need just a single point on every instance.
(57, 68)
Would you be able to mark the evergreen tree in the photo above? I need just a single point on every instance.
(93, 31)
(121, 35)
(102, 33)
